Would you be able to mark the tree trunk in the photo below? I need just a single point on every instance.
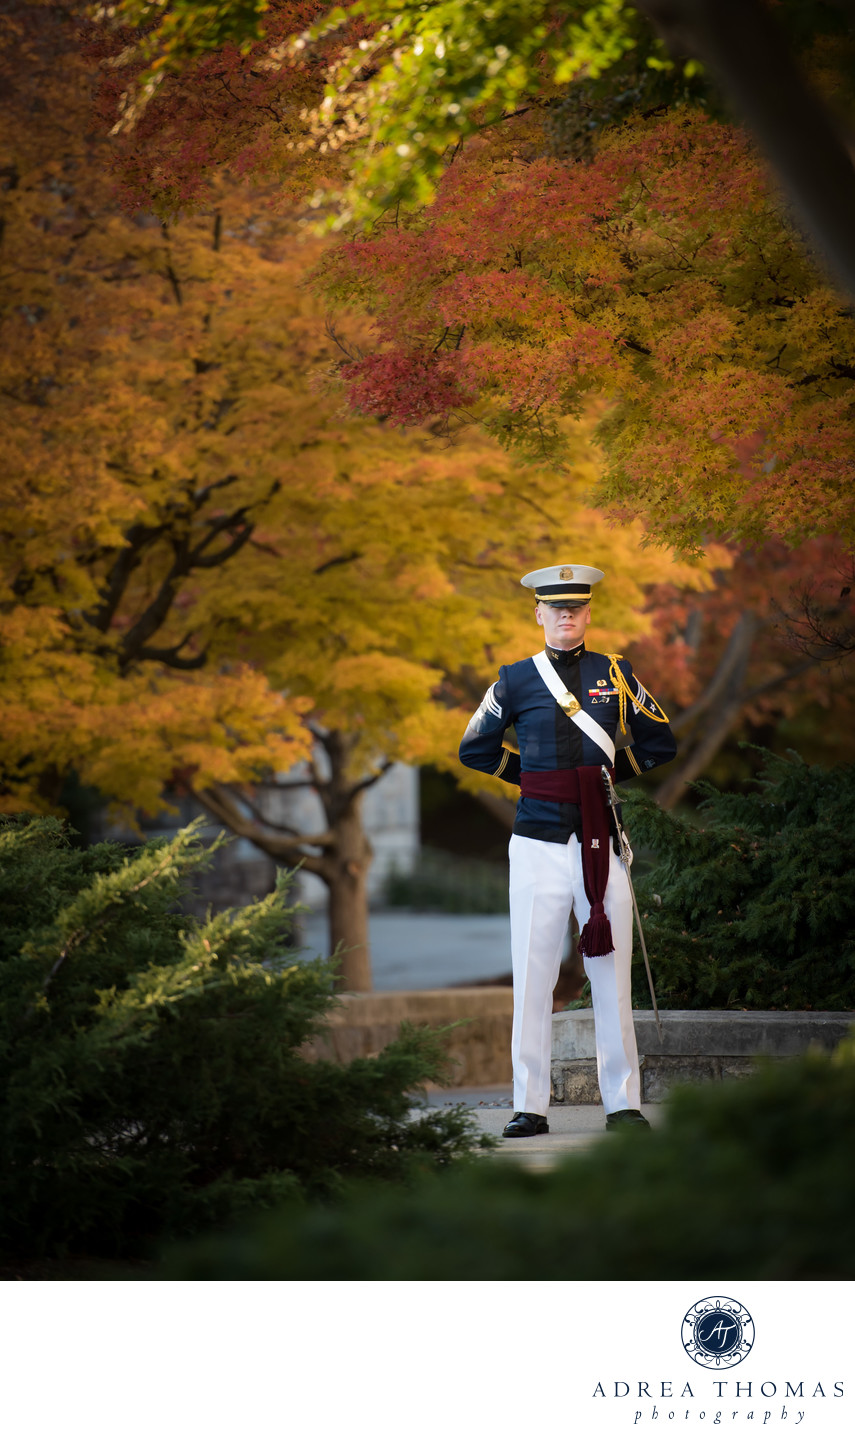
(345, 851)
(712, 719)
(346, 875)
(715, 733)
(745, 50)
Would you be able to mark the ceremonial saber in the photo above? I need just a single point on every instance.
(626, 859)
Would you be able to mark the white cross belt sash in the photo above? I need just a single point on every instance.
(572, 707)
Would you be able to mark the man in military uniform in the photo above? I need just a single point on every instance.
(566, 706)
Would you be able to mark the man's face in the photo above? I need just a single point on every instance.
(563, 627)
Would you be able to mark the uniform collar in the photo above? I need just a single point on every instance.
(563, 657)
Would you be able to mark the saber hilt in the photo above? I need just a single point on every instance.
(626, 859)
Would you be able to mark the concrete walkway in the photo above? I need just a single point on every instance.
(411, 951)
(571, 1129)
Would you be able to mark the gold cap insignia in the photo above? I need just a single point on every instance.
(565, 574)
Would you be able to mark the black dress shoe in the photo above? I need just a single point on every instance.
(526, 1124)
(628, 1117)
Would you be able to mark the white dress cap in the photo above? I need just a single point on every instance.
(562, 581)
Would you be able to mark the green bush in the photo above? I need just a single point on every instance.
(746, 1180)
(753, 905)
(152, 1077)
(443, 882)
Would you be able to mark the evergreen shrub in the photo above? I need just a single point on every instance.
(150, 1064)
(745, 1180)
(753, 904)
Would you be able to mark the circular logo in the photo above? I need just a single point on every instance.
(717, 1331)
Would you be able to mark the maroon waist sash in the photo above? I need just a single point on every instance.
(583, 786)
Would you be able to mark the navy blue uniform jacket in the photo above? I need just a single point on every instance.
(548, 739)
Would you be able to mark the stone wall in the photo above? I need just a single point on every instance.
(364, 1023)
(695, 1047)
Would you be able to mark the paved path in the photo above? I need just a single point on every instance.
(412, 951)
(571, 1129)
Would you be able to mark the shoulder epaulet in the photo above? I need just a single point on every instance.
(618, 678)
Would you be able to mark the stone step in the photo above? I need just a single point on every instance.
(696, 1046)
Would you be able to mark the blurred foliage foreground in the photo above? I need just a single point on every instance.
(747, 1180)
(155, 1097)
(150, 1067)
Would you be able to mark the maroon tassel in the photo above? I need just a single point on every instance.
(595, 939)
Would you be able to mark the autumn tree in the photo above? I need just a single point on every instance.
(664, 267)
(675, 287)
(209, 571)
(657, 268)
(662, 276)
(734, 662)
(535, 286)
(405, 626)
(126, 492)
(178, 120)
(408, 85)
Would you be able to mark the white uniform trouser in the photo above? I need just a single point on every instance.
(546, 885)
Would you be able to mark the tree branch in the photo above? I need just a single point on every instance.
(736, 653)
(199, 559)
(217, 801)
(372, 778)
(184, 561)
(778, 682)
(241, 798)
(155, 615)
(635, 347)
(288, 787)
(353, 354)
(138, 538)
(170, 656)
(175, 283)
(201, 496)
(814, 632)
(719, 724)
(334, 562)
